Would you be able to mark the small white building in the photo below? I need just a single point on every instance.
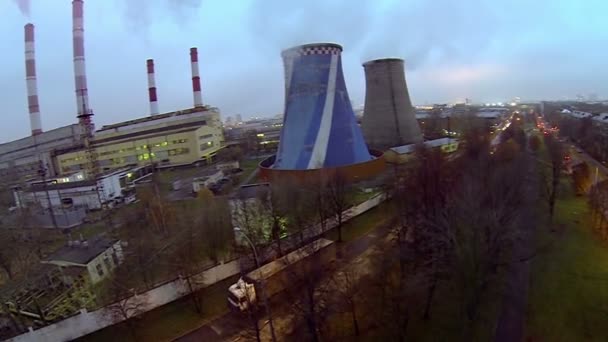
(97, 257)
(400, 154)
(75, 191)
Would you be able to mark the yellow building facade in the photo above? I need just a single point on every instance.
(170, 139)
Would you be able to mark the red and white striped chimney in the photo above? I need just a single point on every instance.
(196, 79)
(152, 88)
(80, 77)
(30, 79)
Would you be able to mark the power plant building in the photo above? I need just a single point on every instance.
(177, 138)
(23, 159)
(389, 118)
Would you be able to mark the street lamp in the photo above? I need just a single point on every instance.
(257, 264)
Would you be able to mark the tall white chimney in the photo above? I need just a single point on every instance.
(30, 79)
(152, 88)
(196, 79)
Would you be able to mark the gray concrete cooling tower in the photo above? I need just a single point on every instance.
(388, 119)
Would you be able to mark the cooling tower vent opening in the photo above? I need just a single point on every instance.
(383, 60)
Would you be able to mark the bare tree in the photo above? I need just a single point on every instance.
(310, 286)
(421, 195)
(126, 305)
(188, 257)
(141, 245)
(273, 209)
(391, 300)
(346, 284)
(598, 203)
(216, 227)
(248, 214)
(556, 159)
(337, 190)
(534, 143)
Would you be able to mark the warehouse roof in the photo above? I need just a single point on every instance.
(81, 252)
(156, 117)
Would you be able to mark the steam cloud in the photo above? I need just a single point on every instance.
(24, 7)
(421, 32)
(138, 13)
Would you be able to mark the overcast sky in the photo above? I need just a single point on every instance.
(483, 50)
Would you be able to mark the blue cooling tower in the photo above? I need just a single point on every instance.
(319, 126)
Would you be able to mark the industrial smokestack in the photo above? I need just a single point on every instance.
(319, 126)
(30, 79)
(80, 77)
(152, 88)
(388, 118)
(196, 79)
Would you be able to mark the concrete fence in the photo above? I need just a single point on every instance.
(86, 322)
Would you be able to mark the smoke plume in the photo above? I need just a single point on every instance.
(24, 7)
(139, 13)
(421, 32)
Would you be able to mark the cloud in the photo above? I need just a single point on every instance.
(452, 75)
(139, 14)
(419, 31)
(24, 7)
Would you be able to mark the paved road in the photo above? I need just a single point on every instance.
(229, 326)
(512, 318)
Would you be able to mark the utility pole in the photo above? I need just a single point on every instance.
(42, 172)
(596, 175)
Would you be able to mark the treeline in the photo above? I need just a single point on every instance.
(456, 223)
(591, 137)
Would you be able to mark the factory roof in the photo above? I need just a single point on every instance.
(57, 137)
(39, 186)
(181, 128)
(156, 117)
(405, 149)
(82, 252)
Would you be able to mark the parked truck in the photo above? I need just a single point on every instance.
(274, 276)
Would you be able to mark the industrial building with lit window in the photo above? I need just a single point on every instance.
(183, 137)
(171, 139)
